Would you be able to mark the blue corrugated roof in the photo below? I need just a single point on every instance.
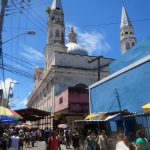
(139, 51)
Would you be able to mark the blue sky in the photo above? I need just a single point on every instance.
(86, 15)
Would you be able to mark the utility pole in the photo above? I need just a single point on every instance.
(98, 59)
(118, 99)
(2, 14)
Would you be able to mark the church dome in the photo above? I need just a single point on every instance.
(72, 45)
(75, 48)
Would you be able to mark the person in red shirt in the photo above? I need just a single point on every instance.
(53, 142)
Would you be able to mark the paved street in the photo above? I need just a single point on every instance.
(41, 146)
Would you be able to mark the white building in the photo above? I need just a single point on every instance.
(65, 65)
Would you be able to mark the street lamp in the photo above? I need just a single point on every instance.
(10, 96)
(29, 33)
(1, 43)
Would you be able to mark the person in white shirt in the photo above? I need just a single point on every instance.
(121, 144)
(15, 142)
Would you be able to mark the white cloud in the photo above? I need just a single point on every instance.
(23, 102)
(92, 41)
(9, 83)
(18, 104)
(31, 53)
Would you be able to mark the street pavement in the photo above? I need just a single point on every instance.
(42, 146)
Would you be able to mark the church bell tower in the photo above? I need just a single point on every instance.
(56, 27)
(127, 36)
(56, 32)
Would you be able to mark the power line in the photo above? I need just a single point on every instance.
(111, 23)
(27, 62)
(17, 71)
(37, 15)
(18, 63)
(41, 29)
(34, 17)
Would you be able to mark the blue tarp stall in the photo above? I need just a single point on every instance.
(129, 83)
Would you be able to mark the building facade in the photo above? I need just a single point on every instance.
(127, 86)
(71, 104)
(65, 65)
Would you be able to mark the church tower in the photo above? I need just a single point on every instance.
(56, 28)
(127, 36)
(56, 32)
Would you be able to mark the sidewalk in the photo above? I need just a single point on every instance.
(42, 146)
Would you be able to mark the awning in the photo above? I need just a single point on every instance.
(90, 116)
(113, 117)
(146, 108)
(32, 114)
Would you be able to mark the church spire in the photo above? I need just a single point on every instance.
(127, 36)
(56, 4)
(125, 20)
(72, 36)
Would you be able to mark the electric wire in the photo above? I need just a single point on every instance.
(26, 23)
(27, 62)
(35, 17)
(18, 40)
(41, 29)
(26, 67)
(39, 17)
(17, 70)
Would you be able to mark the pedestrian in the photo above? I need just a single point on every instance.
(33, 137)
(67, 138)
(102, 140)
(5, 138)
(141, 141)
(75, 140)
(1, 146)
(46, 135)
(21, 139)
(27, 138)
(53, 142)
(121, 143)
(39, 135)
(90, 141)
(14, 141)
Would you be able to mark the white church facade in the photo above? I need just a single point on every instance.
(66, 65)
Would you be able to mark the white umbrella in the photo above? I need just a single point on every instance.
(62, 126)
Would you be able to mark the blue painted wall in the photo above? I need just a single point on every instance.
(139, 51)
(133, 89)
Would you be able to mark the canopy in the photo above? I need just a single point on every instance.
(90, 116)
(146, 108)
(32, 114)
(8, 115)
(101, 116)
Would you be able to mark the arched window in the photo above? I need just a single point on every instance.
(52, 17)
(127, 45)
(57, 33)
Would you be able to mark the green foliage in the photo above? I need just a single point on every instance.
(48, 10)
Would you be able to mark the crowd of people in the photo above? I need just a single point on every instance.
(16, 139)
(95, 141)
